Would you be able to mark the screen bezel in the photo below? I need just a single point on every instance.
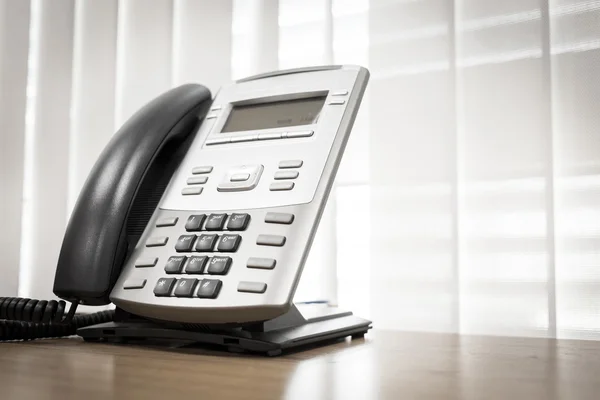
(216, 130)
(267, 115)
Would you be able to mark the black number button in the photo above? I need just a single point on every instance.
(185, 243)
(174, 264)
(185, 287)
(209, 288)
(229, 243)
(163, 287)
(194, 222)
(219, 265)
(238, 222)
(215, 222)
(196, 265)
(206, 242)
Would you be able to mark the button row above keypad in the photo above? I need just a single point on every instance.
(207, 242)
(196, 265)
(185, 287)
(217, 222)
(260, 136)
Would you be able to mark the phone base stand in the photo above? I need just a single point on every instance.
(301, 326)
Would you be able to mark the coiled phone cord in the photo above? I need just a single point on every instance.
(28, 319)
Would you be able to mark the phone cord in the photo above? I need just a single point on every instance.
(28, 319)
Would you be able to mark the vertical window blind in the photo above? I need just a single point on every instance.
(468, 199)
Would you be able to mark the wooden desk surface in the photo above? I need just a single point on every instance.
(385, 365)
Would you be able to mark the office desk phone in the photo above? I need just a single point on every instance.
(199, 215)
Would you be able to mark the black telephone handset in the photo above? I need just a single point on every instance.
(115, 204)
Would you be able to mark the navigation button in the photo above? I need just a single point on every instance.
(239, 177)
(255, 171)
(339, 93)
(337, 102)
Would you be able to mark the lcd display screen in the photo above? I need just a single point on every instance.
(279, 114)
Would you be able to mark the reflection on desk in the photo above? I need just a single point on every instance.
(385, 365)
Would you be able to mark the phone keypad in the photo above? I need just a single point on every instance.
(220, 233)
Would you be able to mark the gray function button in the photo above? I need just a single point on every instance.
(157, 241)
(134, 284)
(197, 180)
(290, 164)
(279, 218)
(299, 134)
(202, 170)
(245, 138)
(286, 174)
(337, 102)
(166, 222)
(215, 108)
(261, 263)
(339, 93)
(146, 262)
(252, 287)
(211, 142)
(270, 240)
(279, 186)
(212, 116)
(269, 136)
(189, 191)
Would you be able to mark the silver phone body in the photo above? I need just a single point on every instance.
(341, 88)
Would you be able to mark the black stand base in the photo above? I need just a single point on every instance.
(302, 325)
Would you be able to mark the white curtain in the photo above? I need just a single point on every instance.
(469, 196)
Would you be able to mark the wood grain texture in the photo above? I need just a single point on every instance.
(385, 365)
